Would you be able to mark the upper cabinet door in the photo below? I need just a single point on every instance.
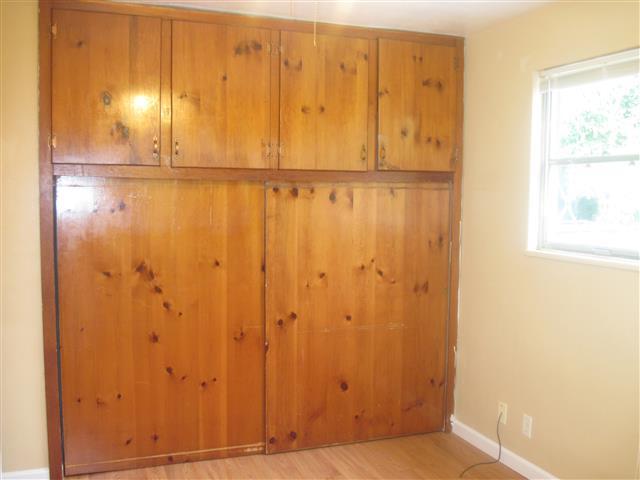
(221, 96)
(323, 102)
(105, 88)
(417, 102)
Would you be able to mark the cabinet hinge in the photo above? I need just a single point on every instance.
(281, 149)
(53, 142)
(54, 30)
(273, 48)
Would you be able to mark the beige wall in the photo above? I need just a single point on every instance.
(556, 340)
(24, 444)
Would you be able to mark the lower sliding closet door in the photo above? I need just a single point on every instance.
(161, 321)
(356, 310)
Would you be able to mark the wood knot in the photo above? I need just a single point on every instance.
(404, 132)
(322, 275)
(155, 437)
(122, 205)
(275, 189)
(119, 396)
(321, 108)
(169, 370)
(305, 109)
(166, 305)
(157, 289)
(128, 441)
(347, 318)
(294, 192)
(216, 263)
(280, 322)
(344, 386)
(333, 196)
(293, 435)
(106, 274)
(293, 316)
(272, 440)
(224, 77)
(239, 336)
(170, 458)
(426, 82)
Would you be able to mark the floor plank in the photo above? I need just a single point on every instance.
(434, 455)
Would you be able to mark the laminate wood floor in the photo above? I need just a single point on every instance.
(434, 455)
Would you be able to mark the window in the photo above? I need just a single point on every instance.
(586, 192)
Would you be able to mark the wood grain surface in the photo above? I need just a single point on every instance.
(105, 88)
(417, 98)
(357, 292)
(221, 96)
(161, 321)
(323, 102)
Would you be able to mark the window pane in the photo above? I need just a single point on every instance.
(596, 119)
(593, 206)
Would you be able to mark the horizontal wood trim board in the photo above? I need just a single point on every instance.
(237, 174)
(176, 13)
(166, 459)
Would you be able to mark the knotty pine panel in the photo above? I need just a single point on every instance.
(356, 312)
(105, 94)
(417, 106)
(161, 321)
(323, 102)
(221, 78)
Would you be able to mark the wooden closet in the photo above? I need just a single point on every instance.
(250, 233)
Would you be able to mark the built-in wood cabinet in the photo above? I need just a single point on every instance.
(246, 97)
(323, 102)
(417, 104)
(221, 96)
(161, 328)
(250, 233)
(356, 312)
(105, 84)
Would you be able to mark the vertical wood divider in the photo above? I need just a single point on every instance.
(274, 159)
(166, 137)
(454, 267)
(47, 247)
(372, 137)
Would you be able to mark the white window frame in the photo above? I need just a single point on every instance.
(595, 68)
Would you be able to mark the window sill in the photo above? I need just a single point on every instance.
(575, 257)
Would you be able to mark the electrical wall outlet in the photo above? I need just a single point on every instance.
(527, 425)
(502, 412)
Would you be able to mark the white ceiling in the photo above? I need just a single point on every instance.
(443, 16)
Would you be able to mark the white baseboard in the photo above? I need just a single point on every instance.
(515, 462)
(36, 474)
